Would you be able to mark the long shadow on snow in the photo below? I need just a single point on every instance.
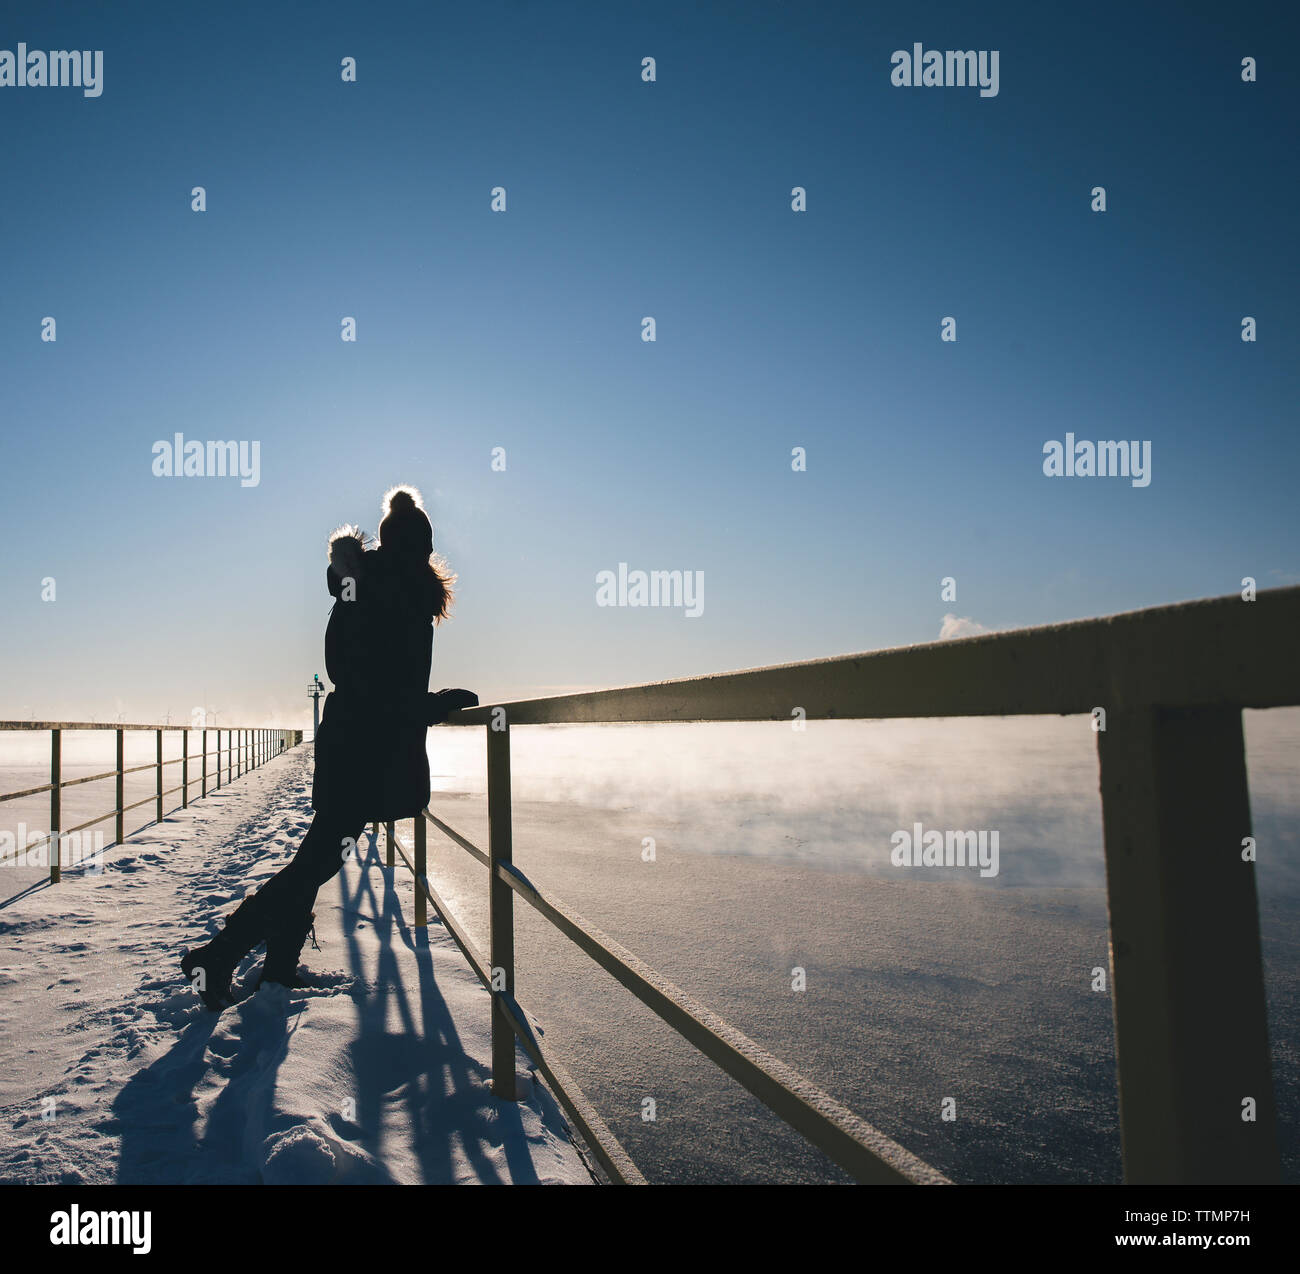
(156, 1111)
(444, 1091)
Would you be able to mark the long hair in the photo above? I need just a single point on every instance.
(443, 581)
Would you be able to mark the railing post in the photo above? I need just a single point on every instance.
(501, 910)
(1187, 984)
(421, 830)
(388, 837)
(185, 768)
(56, 794)
(158, 733)
(203, 789)
(121, 798)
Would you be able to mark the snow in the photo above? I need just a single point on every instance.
(377, 1072)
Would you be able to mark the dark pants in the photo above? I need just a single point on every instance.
(281, 909)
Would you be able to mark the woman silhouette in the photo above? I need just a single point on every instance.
(371, 764)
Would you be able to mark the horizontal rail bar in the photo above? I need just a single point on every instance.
(769, 1079)
(31, 791)
(121, 725)
(1221, 651)
(457, 837)
(43, 839)
(604, 1145)
(81, 827)
(67, 831)
(607, 1148)
(861, 1150)
(108, 774)
(462, 939)
(112, 774)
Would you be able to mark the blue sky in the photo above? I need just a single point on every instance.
(522, 330)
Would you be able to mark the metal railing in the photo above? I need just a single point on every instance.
(1190, 1018)
(246, 749)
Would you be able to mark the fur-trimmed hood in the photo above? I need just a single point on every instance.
(347, 559)
(347, 547)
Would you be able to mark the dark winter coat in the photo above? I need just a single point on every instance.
(371, 764)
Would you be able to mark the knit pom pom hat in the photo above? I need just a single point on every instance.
(406, 530)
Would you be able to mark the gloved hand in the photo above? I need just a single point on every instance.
(438, 706)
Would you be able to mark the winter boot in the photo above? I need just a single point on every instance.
(283, 947)
(208, 969)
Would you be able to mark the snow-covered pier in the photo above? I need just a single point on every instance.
(377, 1072)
